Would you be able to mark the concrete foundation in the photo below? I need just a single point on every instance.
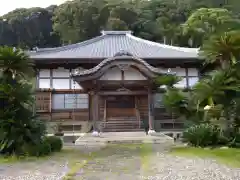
(124, 137)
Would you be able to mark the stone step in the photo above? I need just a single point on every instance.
(121, 125)
(123, 130)
(121, 122)
(121, 118)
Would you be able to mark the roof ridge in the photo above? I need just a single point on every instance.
(181, 49)
(116, 32)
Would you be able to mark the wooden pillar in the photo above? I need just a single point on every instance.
(95, 110)
(97, 105)
(150, 109)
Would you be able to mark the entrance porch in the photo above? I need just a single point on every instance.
(121, 94)
(119, 113)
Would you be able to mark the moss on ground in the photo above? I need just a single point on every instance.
(229, 156)
(142, 150)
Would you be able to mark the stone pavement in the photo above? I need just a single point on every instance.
(122, 163)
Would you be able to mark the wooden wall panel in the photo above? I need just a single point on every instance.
(43, 101)
(44, 109)
(45, 116)
(59, 116)
(82, 115)
(143, 106)
(101, 107)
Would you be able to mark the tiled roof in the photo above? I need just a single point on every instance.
(112, 42)
(109, 60)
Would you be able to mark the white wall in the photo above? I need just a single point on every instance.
(75, 85)
(44, 73)
(60, 72)
(192, 81)
(116, 74)
(61, 83)
(192, 72)
(182, 83)
(60, 79)
(112, 74)
(179, 71)
(133, 74)
(192, 76)
(44, 83)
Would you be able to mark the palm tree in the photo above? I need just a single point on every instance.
(217, 93)
(18, 125)
(15, 63)
(168, 80)
(222, 49)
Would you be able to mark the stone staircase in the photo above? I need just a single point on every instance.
(121, 124)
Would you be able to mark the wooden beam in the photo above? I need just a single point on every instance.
(106, 93)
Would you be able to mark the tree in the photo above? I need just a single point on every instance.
(18, 124)
(15, 63)
(215, 98)
(222, 49)
(80, 20)
(116, 24)
(28, 28)
(208, 21)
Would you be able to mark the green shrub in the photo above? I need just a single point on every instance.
(235, 140)
(41, 149)
(202, 135)
(55, 143)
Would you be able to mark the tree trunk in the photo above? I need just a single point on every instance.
(224, 64)
(164, 40)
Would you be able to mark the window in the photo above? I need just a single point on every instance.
(78, 101)
(70, 101)
(58, 101)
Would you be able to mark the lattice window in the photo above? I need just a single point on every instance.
(70, 101)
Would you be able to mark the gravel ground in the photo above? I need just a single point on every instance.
(126, 165)
(159, 166)
(47, 170)
(168, 167)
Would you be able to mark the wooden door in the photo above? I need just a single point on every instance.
(120, 106)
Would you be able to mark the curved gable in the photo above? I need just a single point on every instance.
(123, 63)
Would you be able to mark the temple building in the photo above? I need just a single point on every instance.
(108, 82)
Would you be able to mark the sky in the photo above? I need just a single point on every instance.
(10, 5)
